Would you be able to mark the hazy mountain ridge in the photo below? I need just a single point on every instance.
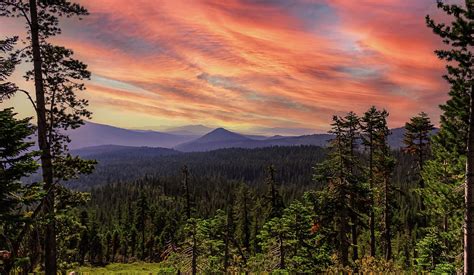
(216, 139)
(93, 134)
(193, 130)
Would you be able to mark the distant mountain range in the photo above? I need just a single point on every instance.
(221, 138)
(187, 139)
(94, 134)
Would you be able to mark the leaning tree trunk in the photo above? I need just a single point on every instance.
(46, 161)
(469, 195)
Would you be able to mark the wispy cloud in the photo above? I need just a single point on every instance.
(255, 64)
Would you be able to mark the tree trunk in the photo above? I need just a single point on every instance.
(194, 252)
(355, 248)
(143, 241)
(273, 192)
(46, 161)
(282, 253)
(186, 190)
(387, 233)
(372, 201)
(469, 195)
(246, 225)
(226, 253)
(344, 223)
(255, 230)
(445, 229)
(344, 242)
(228, 235)
(423, 221)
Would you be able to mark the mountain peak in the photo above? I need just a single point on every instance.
(220, 130)
(221, 134)
(217, 138)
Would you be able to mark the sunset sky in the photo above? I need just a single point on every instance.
(253, 65)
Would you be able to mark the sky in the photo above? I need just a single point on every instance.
(255, 66)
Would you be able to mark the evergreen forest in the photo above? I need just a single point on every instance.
(357, 205)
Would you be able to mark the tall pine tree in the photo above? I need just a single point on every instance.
(371, 124)
(57, 77)
(275, 200)
(457, 120)
(15, 198)
(417, 143)
(341, 202)
(141, 215)
(384, 164)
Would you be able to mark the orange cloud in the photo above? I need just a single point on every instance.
(249, 63)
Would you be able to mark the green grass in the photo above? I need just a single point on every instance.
(132, 268)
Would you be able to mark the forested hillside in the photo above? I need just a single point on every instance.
(294, 164)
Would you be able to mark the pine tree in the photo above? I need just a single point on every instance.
(256, 224)
(344, 196)
(370, 123)
(124, 247)
(242, 214)
(95, 245)
(194, 249)
(142, 209)
(306, 253)
(108, 247)
(133, 241)
(191, 249)
(84, 239)
(8, 61)
(229, 231)
(291, 242)
(444, 209)
(383, 164)
(417, 139)
(187, 191)
(15, 162)
(275, 200)
(352, 124)
(273, 237)
(417, 143)
(457, 121)
(115, 244)
(337, 187)
(57, 77)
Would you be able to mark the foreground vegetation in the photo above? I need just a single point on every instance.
(120, 268)
(365, 207)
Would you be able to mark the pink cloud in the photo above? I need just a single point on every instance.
(251, 63)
